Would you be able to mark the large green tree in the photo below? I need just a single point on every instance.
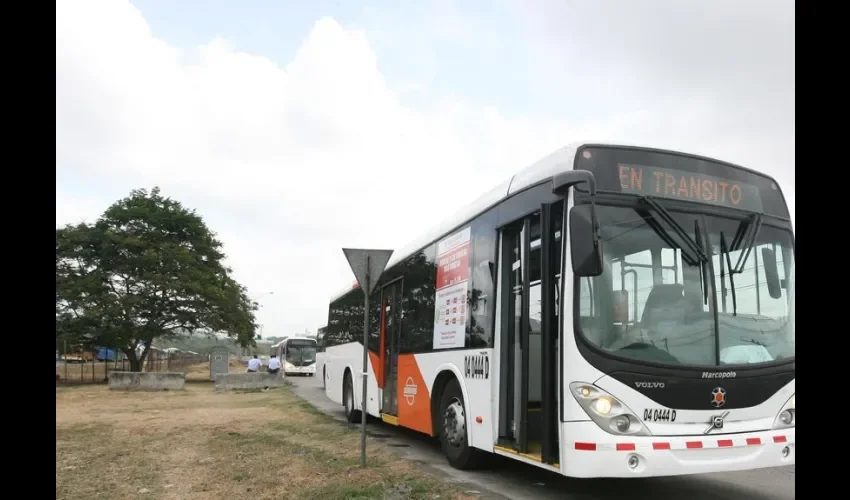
(148, 268)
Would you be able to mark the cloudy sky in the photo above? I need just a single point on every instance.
(297, 128)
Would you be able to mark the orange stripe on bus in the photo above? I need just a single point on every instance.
(376, 365)
(414, 400)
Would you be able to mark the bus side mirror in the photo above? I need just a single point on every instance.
(771, 273)
(585, 244)
(586, 241)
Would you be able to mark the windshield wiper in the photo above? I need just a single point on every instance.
(665, 216)
(745, 237)
(703, 266)
(724, 250)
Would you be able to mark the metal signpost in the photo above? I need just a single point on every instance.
(367, 266)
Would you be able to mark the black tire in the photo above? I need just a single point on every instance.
(351, 415)
(453, 433)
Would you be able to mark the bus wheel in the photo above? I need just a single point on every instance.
(352, 415)
(454, 420)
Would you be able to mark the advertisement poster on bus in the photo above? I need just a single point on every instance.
(451, 290)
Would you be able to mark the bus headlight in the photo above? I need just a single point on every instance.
(603, 405)
(608, 412)
(787, 416)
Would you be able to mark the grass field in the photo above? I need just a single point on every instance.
(199, 444)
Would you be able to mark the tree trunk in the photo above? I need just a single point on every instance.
(135, 363)
(146, 349)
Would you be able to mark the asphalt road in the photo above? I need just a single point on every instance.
(517, 481)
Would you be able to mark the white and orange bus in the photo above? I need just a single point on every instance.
(610, 311)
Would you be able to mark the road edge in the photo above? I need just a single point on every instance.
(469, 488)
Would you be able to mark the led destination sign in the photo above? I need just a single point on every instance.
(678, 176)
(688, 186)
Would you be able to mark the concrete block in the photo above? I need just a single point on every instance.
(247, 381)
(147, 381)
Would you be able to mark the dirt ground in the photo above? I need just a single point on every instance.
(199, 444)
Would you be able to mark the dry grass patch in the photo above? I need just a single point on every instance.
(201, 372)
(197, 444)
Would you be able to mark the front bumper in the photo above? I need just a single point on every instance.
(650, 456)
(300, 369)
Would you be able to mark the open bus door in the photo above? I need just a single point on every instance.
(528, 404)
(390, 334)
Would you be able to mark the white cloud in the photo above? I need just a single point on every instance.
(73, 210)
(290, 163)
(715, 78)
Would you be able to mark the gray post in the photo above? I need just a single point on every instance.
(363, 413)
(367, 265)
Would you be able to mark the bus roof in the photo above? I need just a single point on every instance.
(561, 160)
(298, 337)
(294, 337)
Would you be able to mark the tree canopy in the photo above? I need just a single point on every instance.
(147, 269)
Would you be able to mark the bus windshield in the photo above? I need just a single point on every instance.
(656, 302)
(301, 353)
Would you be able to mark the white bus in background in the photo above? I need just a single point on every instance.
(610, 311)
(297, 355)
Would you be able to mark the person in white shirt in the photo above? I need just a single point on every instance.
(274, 364)
(254, 364)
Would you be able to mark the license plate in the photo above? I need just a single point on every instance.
(659, 415)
